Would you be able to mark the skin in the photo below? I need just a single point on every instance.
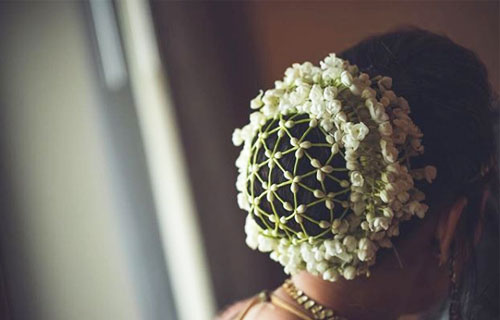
(392, 291)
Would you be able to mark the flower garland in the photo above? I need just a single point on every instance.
(363, 122)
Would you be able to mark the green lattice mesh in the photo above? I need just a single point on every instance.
(274, 157)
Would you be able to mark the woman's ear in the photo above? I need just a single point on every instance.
(447, 226)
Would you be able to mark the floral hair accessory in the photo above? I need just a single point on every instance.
(324, 172)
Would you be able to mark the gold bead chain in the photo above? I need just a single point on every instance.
(318, 311)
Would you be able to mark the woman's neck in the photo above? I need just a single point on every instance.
(352, 299)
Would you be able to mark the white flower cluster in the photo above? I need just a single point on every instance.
(365, 122)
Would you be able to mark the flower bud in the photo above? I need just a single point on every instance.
(349, 273)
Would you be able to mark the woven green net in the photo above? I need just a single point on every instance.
(297, 178)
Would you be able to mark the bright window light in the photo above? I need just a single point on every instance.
(176, 214)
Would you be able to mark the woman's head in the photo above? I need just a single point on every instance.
(450, 99)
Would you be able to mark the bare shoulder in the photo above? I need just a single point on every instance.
(233, 310)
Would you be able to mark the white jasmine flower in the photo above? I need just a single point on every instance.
(251, 230)
(306, 69)
(330, 247)
(344, 256)
(318, 108)
(340, 117)
(396, 206)
(403, 104)
(340, 226)
(385, 101)
(270, 97)
(331, 61)
(316, 94)
(256, 103)
(421, 210)
(385, 83)
(384, 196)
(401, 115)
(329, 93)
(331, 74)
(357, 179)
(285, 104)
(318, 254)
(377, 111)
(349, 273)
(430, 173)
(388, 177)
(389, 152)
(399, 137)
(389, 94)
(356, 89)
(278, 84)
(366, 249)
(358, 131)
(381, 222)
(351, 154)
(311, 267)
(333, 106)
(326, 124)
(352, 69)
(291, 74)
(365, 78)
(350, 142)
(387, 211)
(243, 201)
(368, 93)
(331, 275)
(306, 252)
(301, 93)
(346, 78)
(237, 137)
(321, 267)
(269, 111)
(257, 118)
(350, 243)
(403, 196)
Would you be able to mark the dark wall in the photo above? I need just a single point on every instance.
(309, 30)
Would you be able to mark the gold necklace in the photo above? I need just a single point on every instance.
(318, 311)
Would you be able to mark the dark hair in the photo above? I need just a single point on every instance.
(452, 102)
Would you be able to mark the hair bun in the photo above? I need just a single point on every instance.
(324, 172)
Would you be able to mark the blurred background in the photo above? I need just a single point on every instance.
(117, 167)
